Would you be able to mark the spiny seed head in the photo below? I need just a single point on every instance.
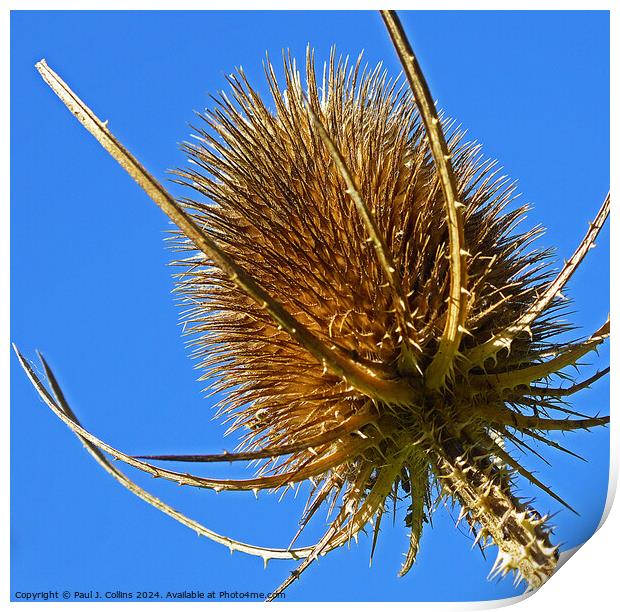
(366, 302)
(287, 209)
(282, 211)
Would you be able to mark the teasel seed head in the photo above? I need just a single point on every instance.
(361, 294)
(277, 180)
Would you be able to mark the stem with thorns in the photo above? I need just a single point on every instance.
(442, 363)
(233, 545)
(323, 463)
(524, 376)
(478, 355)
(362, 377)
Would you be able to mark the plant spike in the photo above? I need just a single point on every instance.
(564, 392)
(479, 354)
(350, 426)
(362, 377)
(457, 304)
(250, 484)
(418, 482)
(524, 376)
(548, 442)
(522, 422)
(130, 485)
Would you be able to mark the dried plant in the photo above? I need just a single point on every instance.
(358, 288)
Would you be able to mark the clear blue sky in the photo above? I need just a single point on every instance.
(91, 289)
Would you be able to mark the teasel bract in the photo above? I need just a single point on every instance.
(358, 289)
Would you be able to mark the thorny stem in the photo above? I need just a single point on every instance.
(234, 545)
(351, 425)
(520, 536)
(563, 392)
(479, 354)
(324, 463)
(525, 376)
(363, 378)
(457, 302)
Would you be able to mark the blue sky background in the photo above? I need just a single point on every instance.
(91, 286)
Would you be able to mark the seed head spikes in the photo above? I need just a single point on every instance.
(359, 291)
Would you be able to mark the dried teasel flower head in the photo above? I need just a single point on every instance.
(380, 299)
(375, 320)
